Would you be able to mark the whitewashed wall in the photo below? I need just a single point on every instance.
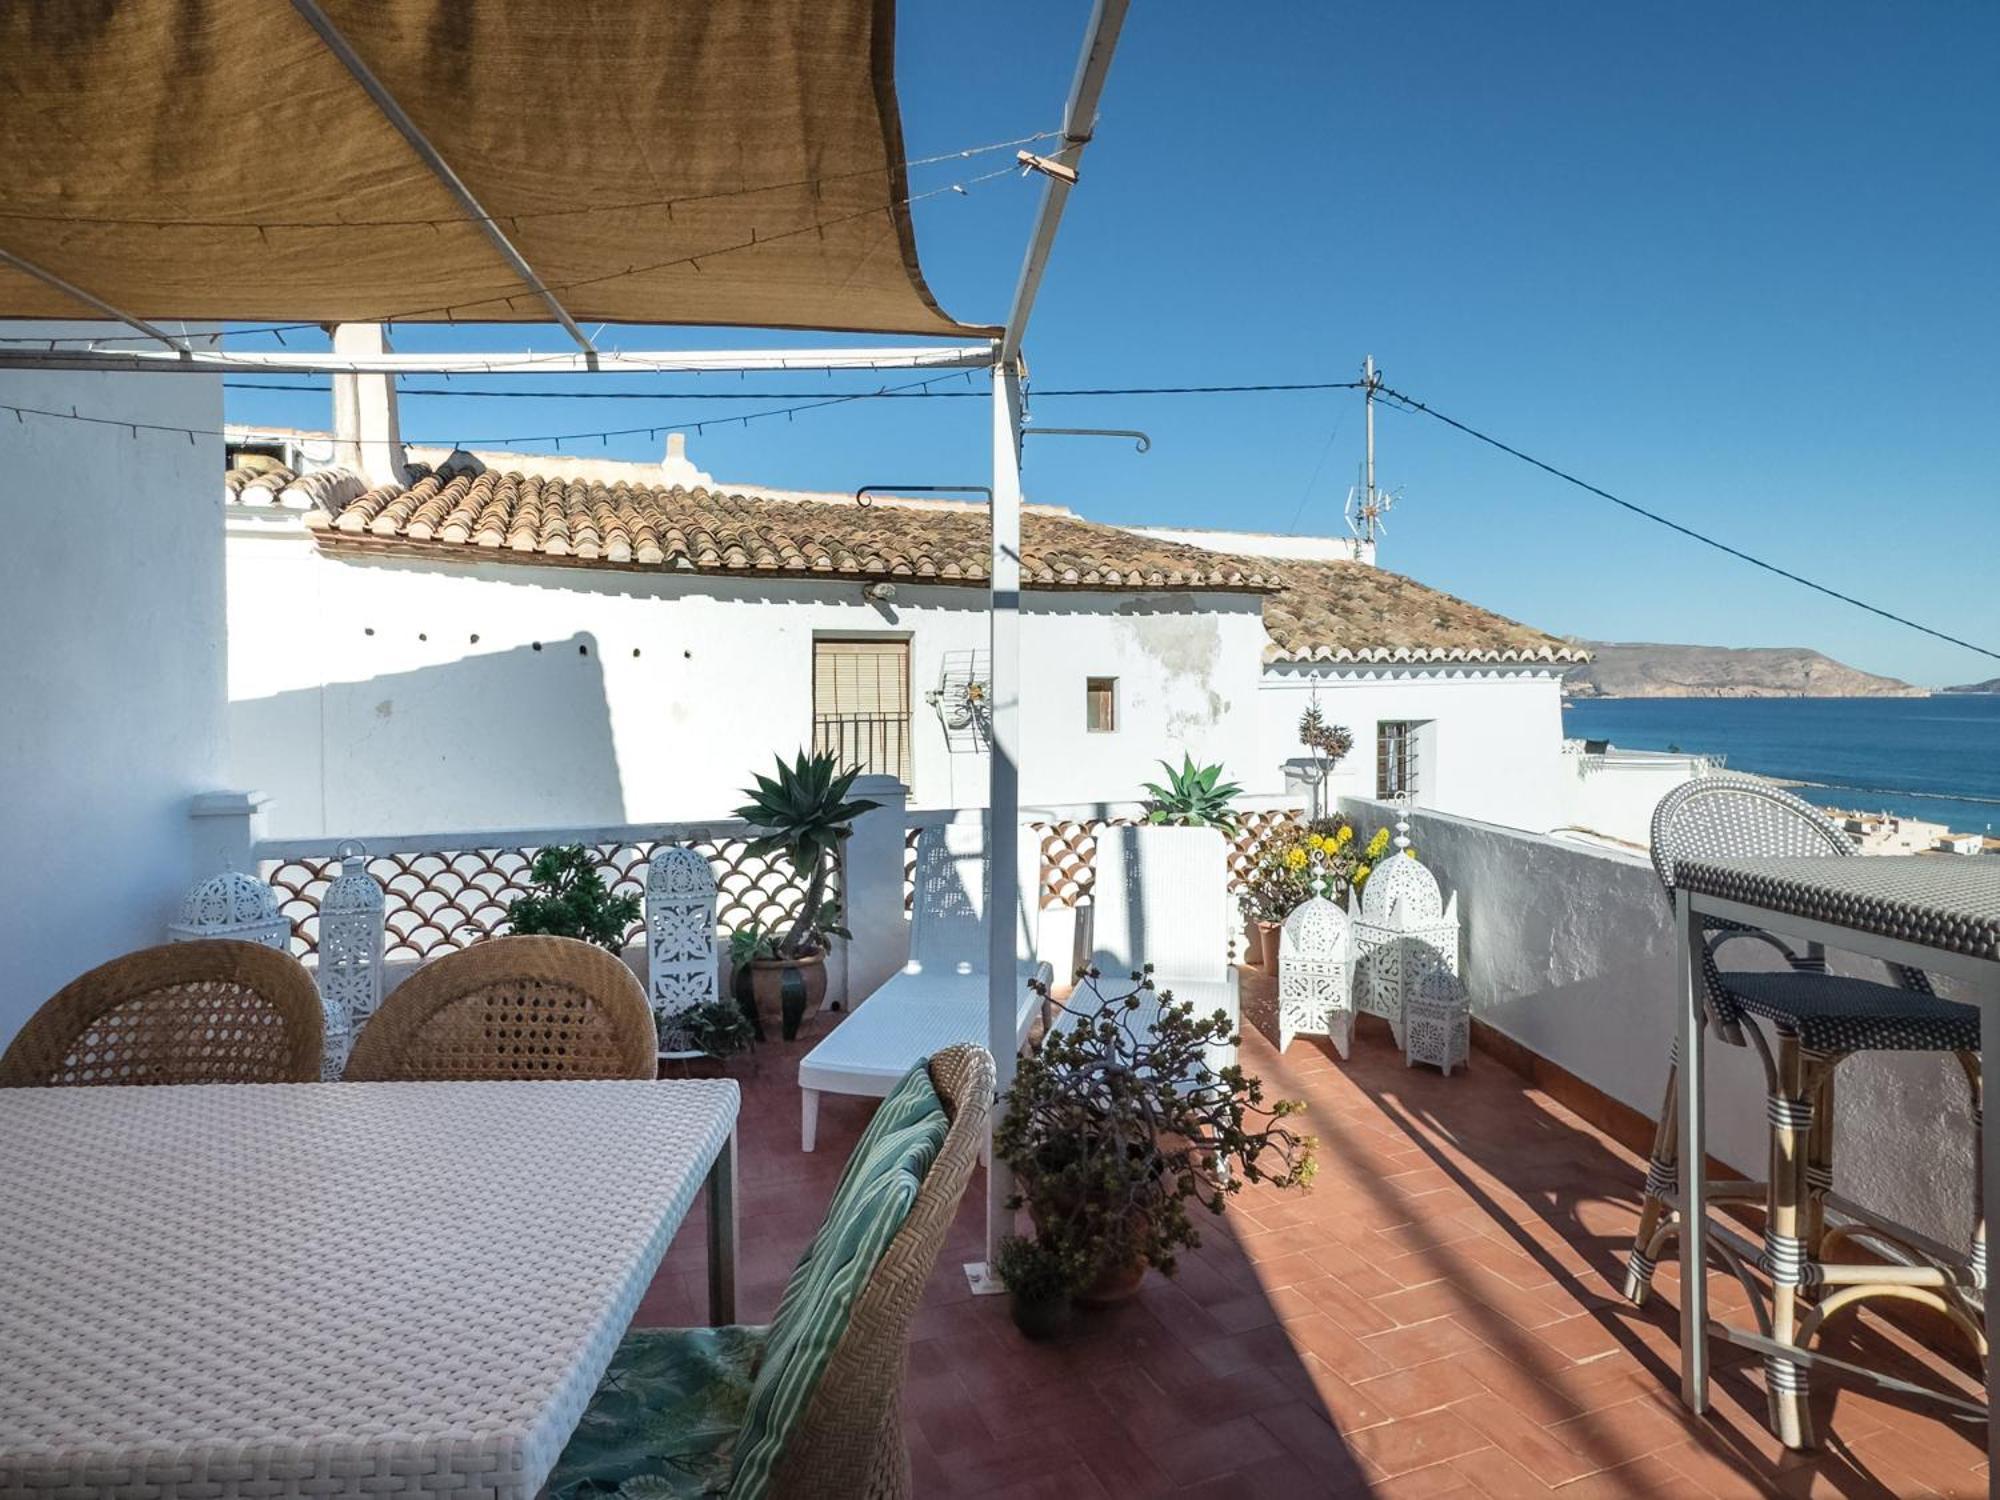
(111, 686)
(406, 693)
(1493, 749)
(1569, 950)
(1615, 794)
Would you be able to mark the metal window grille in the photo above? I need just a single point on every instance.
(861, 704)
(1395, 758)
(1100, 714)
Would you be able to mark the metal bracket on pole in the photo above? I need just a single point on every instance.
(1140, 441)
(1048, 166)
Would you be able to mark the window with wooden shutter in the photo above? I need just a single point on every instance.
(861, 704)
(1100, 704)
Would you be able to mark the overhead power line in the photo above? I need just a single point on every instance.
(1410, 403)
(439, 221)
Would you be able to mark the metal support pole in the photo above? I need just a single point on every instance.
(1003, 802)
(1693, 1157)
(70, 289)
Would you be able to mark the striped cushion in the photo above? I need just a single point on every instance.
(912, 1101)
(872, 1203)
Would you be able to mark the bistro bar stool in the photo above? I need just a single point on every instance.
(1814, 1021)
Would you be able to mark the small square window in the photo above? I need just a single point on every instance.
(1100, 713)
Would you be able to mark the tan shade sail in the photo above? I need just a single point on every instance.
(730, 162)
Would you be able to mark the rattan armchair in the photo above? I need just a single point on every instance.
(668, 1413)
(511, 1008)
(214, 1011)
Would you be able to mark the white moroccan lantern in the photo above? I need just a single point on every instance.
(1437, 1022)
(350, 954)
(680, 942)
(1402, 930)
(1315, 989)
(232, 905)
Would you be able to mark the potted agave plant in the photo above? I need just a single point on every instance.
(1193, 797)
(803, 813)
(1119, 1133)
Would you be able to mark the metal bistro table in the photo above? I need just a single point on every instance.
(279, 1290)
(1931, 912)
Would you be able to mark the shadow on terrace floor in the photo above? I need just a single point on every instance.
(1437, 1317)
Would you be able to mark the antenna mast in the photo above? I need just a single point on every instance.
(1365, 504)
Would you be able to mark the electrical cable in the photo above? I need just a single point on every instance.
(1410, 403)
(897, 393)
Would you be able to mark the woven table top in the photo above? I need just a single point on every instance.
(1947, 902)
(326, 1289)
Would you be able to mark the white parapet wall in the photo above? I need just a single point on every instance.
(1568, 950)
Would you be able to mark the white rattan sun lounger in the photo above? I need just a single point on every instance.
(940, 997)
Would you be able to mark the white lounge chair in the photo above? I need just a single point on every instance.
(940, 997)
(1161, 897)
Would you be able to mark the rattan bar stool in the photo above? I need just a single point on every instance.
(511, 1008)
(211, 1011)
(1814, 1020)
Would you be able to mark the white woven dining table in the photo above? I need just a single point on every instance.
(332, 1289)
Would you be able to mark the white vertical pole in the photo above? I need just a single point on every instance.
(1003, 802)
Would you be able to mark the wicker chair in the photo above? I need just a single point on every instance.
(511, 1008)
(214, 1011)
(848, 1439)
(1815, 1020)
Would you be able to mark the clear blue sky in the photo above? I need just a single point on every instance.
(1736, 263)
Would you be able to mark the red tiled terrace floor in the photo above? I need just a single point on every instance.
(1437, 1317)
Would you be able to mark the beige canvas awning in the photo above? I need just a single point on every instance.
(733, 162)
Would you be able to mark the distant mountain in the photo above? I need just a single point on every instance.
(1990, 685)
(1643, 670)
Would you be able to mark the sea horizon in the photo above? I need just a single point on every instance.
(1935, 757)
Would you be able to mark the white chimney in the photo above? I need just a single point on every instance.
(676, 469)
(366, 434)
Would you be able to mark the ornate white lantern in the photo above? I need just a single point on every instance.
(1315, 989)
(350, 954)
(680, 941)
(232, 905)
(1403, 929)
(1437, 1022)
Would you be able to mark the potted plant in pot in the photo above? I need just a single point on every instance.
(1193, 797)
(569, 899)
(1119, 1132)
(803, 813)
(719, 1030)
(1294, 861)
(1040, 1283)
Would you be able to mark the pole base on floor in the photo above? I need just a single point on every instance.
(982, 1280)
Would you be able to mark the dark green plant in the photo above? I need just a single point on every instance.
(804, 812)
(1034, 1271)
(570, 900)
(1114, 1129)
(719, 1028)
(1193, 797)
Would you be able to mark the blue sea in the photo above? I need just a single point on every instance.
(1931, 758)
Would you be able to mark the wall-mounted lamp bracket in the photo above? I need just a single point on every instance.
(1139, 439)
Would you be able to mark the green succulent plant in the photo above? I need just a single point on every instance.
(570, 899)
(804, 812)
(1193, 797)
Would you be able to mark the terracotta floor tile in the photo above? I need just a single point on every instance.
(1440, 1319)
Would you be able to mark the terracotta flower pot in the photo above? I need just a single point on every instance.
(781, 992)
(1253, 944)
(1114, 1284)
(1267, 946)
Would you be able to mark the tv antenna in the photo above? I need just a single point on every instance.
(1366, 505)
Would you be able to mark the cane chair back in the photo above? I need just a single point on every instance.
(512, 1008)
(211, 1011)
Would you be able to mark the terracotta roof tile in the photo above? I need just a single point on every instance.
(577, 521)
(1351, 612)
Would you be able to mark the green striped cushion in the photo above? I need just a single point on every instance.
(911, 1102)
(878, 1197)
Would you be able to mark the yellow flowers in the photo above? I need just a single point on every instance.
(1346, 835)
(1378, 844)
(1360, 874)
(1296, 857)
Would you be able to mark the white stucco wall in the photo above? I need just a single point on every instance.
(111, 685)
(1492, 750)
(386, 695)
(1569, 951)
(1614, 794)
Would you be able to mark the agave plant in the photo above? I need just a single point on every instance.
(1194, 797)
(804, 811)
